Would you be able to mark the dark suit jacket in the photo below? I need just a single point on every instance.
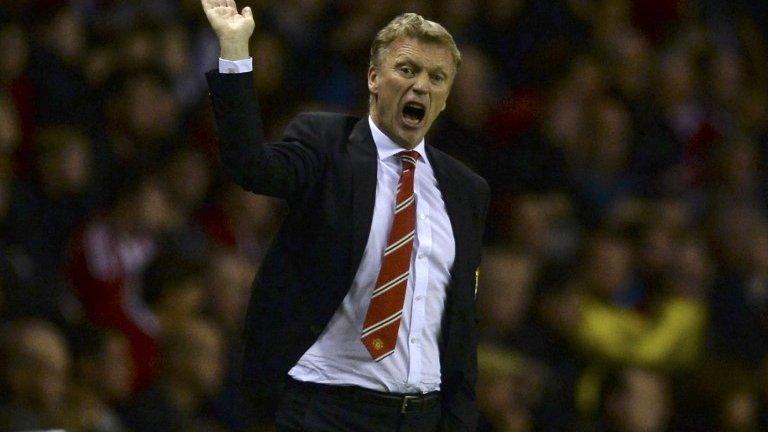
(325, 168)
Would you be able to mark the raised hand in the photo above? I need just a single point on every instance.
(233, 28)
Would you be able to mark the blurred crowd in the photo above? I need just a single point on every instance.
(625, 282)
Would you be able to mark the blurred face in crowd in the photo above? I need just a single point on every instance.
(630, 70)
(269, 73)
(10, 130)
(612, 137)
(471, 90)
(197, 356)
(506, 288)
(675, 79)
(409, 88)
(726, 76)
(188, 178)
(182, 301)
(108, 372)
(39, 368)
(13, 39)
(150, 109)
(66, 34)
(116, 373)
(258, 214)
(642, 404)
(231, 277)
(67, 168)
(740, 412)
(151, 208)
(609, 266)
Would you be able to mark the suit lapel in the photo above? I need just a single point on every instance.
(362, 156)
(452, 192)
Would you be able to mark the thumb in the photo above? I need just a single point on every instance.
(247, 13)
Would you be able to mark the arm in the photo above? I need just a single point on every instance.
(279, 169)
(670, 341)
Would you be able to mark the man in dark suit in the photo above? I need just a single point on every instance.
(363, 312)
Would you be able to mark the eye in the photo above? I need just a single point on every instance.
(438, 78)
(406, 70)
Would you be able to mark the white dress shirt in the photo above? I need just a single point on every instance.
(338, 356)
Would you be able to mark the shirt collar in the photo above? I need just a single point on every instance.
(387, 148)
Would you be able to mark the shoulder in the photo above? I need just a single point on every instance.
(462, 172)
(324, 121)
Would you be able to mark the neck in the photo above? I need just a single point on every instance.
(379, 124)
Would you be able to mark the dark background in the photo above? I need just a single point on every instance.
(625, 283)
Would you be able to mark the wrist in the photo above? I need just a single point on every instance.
(234, 50)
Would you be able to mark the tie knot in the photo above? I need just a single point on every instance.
(409, 158)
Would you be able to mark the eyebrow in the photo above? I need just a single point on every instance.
(404, 58)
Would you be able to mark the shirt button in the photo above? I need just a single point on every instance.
(422, 216)
(414, 340)
(418, 298)
(420, 256)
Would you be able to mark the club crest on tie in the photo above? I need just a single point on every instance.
(378, 344)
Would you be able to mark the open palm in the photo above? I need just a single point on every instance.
(226, 21)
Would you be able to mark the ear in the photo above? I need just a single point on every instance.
(373, 80)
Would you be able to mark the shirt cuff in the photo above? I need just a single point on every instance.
(235, 66)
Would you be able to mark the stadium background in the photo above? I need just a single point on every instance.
(625, 281)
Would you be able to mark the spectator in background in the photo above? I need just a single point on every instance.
(512, 319)
(102, 380)
(174, 289)
(10, 132)
(47, 209)
(190, 373)
(737, 174)
(106, 259)
(55, 67)
(17, 107)
(508, 386)
(229, 284)
(461, 132)
(187, 178)
(635, 400)
(14, 262)
(242, 221)
(35, 368)
(228, 287)
(739, 303)
(617, 324)
(137, 135)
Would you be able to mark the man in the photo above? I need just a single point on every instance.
(364, 306)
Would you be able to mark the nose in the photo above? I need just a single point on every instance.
(421, 85)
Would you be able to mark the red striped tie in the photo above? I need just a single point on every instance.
(382, 322)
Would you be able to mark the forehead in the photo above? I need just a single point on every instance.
(428, 53)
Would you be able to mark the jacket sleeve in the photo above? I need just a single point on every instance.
(279, 169)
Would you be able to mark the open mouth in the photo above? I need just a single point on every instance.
(413, 113)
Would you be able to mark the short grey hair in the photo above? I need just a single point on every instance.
(412, 25)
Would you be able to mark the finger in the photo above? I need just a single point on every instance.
(232, 4)
(247, 13)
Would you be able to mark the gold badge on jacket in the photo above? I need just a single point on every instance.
(477, 280)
